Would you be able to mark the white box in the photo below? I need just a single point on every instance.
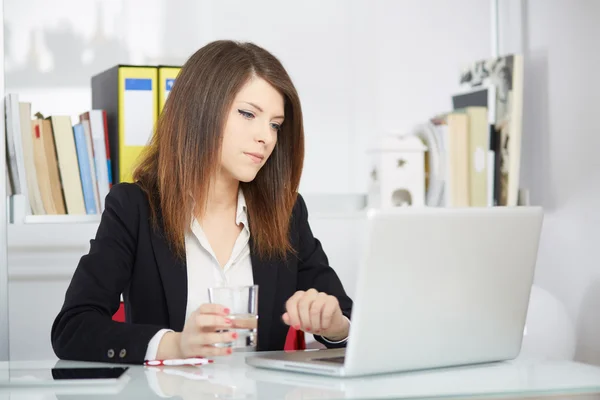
(397, 172)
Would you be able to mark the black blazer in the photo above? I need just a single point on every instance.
(128, 256)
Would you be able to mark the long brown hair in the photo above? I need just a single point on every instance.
(184, 152)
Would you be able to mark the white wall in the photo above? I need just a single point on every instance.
(361, 67)
(560, 151)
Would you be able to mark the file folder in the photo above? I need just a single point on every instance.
(129, 95)
(166, 79)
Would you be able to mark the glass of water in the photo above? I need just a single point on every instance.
(242, 302)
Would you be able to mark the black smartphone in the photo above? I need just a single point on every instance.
(88, 373)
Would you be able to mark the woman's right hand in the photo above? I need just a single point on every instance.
(199, 335)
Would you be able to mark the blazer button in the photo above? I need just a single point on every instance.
(111, 353)
(122, 353)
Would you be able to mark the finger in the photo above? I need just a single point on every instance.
(329, 310)
(213, 351)
(316, 309)
(304, 305)
(212, 322)
(286, 318)
(291, 306)
(217, 338)
(245, 322)
(210, 308)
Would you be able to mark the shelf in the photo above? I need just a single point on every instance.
(62, 219)
(53, 236)
(63, 233)
(16, 212)
(49, 234)
(322, 215)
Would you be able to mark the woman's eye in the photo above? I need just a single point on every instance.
(277, 127)
(246, 114)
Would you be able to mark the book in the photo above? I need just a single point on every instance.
(505, 73)
(85, 168)
(68, 164)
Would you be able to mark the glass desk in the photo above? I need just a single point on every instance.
(231, 378)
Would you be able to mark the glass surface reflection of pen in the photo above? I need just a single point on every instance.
(184, 361)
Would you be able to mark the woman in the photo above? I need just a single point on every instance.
(214, 202)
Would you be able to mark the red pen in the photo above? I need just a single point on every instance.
(184, 361)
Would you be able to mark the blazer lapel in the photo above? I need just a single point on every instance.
(265, 276)
(173, 273)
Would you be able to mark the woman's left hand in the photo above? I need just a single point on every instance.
(318, 313)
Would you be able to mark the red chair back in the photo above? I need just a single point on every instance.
(294, 340)
(119, 316)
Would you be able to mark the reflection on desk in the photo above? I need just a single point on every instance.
(231, 378)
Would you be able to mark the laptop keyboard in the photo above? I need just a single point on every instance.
(334, 360)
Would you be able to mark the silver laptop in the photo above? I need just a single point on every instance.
(436, 287)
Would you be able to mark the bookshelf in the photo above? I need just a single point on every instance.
(32, 220)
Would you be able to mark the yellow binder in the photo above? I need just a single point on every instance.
(129, 95)
(166, 78)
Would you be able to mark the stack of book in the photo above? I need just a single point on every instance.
(474, 149)
(57, 166)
